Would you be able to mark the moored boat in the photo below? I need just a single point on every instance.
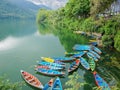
(50, 64)
(48, 85)
(48, 59)
(92, 40)
(71, 53)
(50, 67)
(57, 84)
(82, 47)
(90, 55)
(81, 53)
(49, 72)
(92, 64)
(84, 63)
(74, 66)
(101, 83)
(98, 56)
(97, 50)
(31, 80)
(64, 59)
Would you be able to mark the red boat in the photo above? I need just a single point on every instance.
(31, 80)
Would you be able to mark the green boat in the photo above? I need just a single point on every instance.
(71, 53)
(92, 64)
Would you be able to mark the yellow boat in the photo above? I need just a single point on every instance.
(47, 59)
(93, 40)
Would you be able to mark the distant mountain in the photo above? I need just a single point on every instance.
(53, 4)
(18, 9)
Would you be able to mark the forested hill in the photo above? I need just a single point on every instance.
(18, 9)
(99, 16)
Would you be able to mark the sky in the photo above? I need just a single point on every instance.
(53, 4)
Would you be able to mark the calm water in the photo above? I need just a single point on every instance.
(22, 44)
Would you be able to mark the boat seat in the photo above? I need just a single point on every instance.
(31, 80)
(27, 77)
(34, 83)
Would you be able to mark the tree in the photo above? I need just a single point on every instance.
(77, 8)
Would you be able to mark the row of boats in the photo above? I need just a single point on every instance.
(54, 66)
(33, 81)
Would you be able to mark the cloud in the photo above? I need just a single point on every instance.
(53, 4)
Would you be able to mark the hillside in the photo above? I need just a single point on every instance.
(18, 9)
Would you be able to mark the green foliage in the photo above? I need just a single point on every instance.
(77, 8)
(107, 41)
(5, 84)
(74, 82)
(117, 41)
(88, 25)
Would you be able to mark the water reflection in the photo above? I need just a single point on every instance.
(8, 43)
(16, 28)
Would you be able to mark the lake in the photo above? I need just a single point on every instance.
(22, 43)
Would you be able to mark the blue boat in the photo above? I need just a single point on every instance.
(49, 72)
(64, 59)
(79, 55)
(84, 63)
(98, 56)
(59, 62)
(74, 66)
(90, 55)
(82, 47)
(50, 64)
(57, 84)
(48, 86)
(49, 67)
(97, 50)
(101, 83)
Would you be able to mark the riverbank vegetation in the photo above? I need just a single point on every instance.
(6, 84)
(88, 16)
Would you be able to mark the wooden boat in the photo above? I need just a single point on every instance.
(93, 43)
(49, 72)
(101, 83)
(48, 86)
(92, 40)
(64, 59)
(97, 50)
(59, 62)
(51, 64)
(90, 55)
(84, 63)
(92, 64)
(74, 66)
(71, 53)
(49, 67)
(79, 55)
(48, 59)
(57, 84)
(31, 80)
(95, 54)
(79, 47)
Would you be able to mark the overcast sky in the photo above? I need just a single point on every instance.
(53, 4)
